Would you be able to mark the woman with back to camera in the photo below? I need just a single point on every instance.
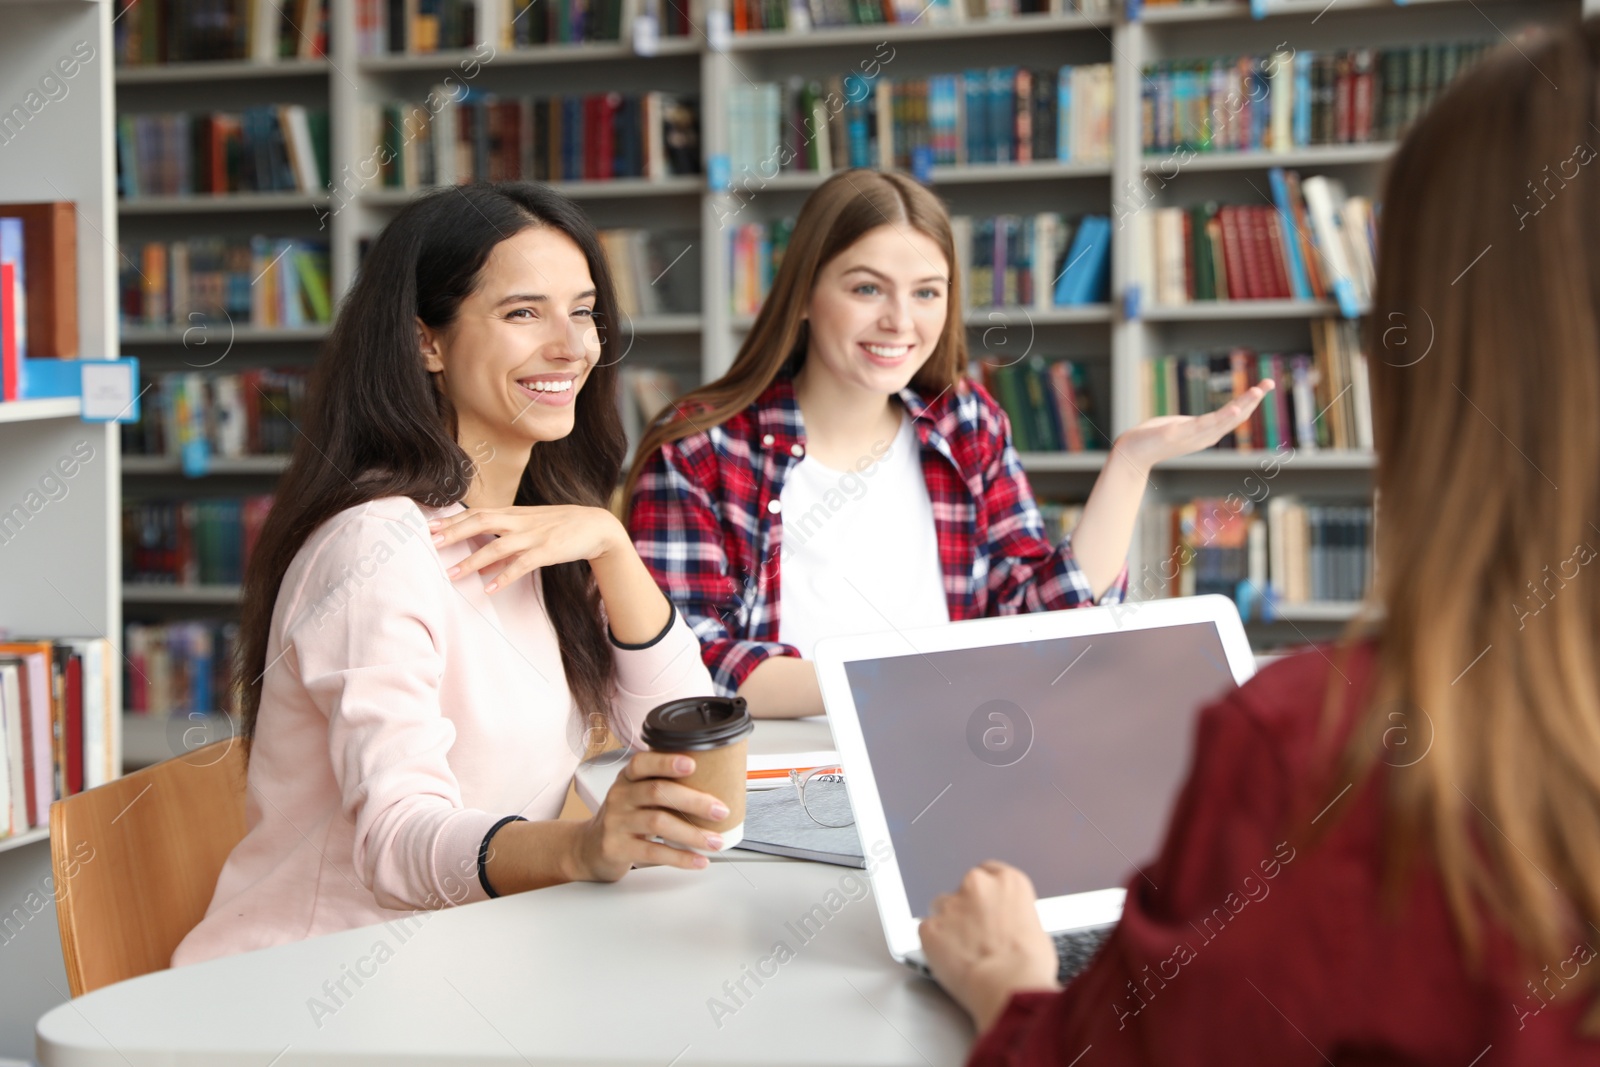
(416, 680)
(1388, 851)
(846, 462)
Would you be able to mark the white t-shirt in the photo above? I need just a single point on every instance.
(860, 553)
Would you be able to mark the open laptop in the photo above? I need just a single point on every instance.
(1055, 742)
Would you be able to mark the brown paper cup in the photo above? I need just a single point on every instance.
(721, 772)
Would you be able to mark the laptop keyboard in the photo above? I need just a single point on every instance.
(1076, 948)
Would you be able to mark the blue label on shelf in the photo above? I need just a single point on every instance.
(196, 457)
(108, 388)
(922, 164)
(1258, 9)
(1135, 9)
(719, 174)
(1131, 299)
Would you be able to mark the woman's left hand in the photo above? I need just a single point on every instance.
(1171, 436)
(527, 538)
(984, 942)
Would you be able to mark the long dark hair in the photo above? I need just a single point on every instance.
(837, 215)
(378, 426)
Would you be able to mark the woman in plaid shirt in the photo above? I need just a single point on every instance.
(855, 370)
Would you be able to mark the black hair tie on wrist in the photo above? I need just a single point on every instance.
(483, 853)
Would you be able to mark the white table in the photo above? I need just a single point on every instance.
(631, 973)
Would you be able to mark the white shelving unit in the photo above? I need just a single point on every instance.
(701, 346)
(59, 571)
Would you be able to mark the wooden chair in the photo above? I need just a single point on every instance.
(136, 861)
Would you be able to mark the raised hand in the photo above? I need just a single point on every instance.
(1171, 436)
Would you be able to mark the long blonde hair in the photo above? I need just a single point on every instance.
(1485, 372)
(834, 217)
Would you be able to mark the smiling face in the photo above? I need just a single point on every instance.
(522, 343)
(877, 310)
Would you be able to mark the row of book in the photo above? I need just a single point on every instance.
(58, 725)
(754, 16)
(993, 115)
(755, 250)
(149, 32)
(483, 137)
(267, 149)
(249, 413)
(1033, 261)
(1299, 551)
(1049, 403)
(1320, 401)
(1313, 243)
(206, 285)
(655, 273)
(190, 542)
(38, 287)
(178, 668)
(393, 27)
(1293, 99)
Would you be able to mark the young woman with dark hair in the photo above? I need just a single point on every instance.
(441, 614)
(845, 475)
(1388, 850)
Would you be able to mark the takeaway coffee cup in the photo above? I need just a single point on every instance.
(715, 733)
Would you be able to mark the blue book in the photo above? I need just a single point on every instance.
(1002, 113)
(11, 252)
(1087, 277)
(975, 86)
(1302, 98)
(1299, 282)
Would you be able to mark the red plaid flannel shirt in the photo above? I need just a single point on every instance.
(706, 520)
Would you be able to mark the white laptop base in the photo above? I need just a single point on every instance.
(1056, 742)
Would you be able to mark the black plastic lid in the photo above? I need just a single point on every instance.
(696, 724)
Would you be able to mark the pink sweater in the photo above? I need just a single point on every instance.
(402, 715)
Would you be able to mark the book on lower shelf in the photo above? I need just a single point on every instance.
(1320, 401)
(202, 542)
(38, 287)
(1288, 551)
(272, 148)
(250, 413)
(209, 285)
(1049, 403)
(1313, 242)
(1007, 114)
(1037, 262)
(155, 32)
(180, 667)
(473, 136)
(1294, 99)
(654, 272)
(59, 725)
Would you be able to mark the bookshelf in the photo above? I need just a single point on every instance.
(59, 572)
(1114, 340)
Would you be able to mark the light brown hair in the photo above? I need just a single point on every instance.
(1484, 346)
(837, 215)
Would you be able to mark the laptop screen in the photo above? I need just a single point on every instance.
(1061, 757)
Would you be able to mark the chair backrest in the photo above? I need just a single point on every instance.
(136, 861)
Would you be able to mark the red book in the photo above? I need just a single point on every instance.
(10, 358)
(1022, 108)
(610, 109)
(1260, 253)
(73, 739)
(1233, 254)
(1361, 105)
(1269, 230)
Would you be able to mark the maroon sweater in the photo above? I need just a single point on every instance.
(1237, 947)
